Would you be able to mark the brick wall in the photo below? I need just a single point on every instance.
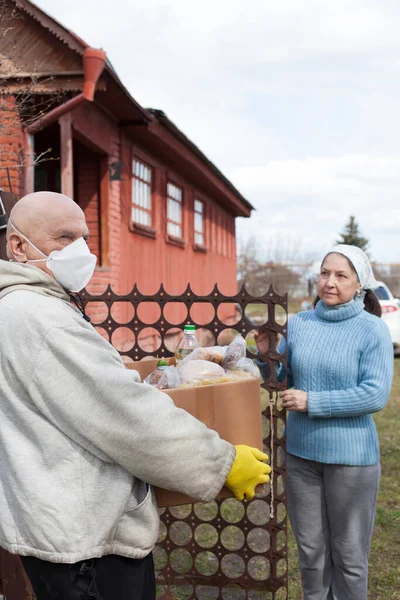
(11, 145)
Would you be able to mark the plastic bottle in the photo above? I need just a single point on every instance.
(187, 344)
(162, 364)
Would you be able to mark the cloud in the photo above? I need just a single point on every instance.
(233, 35)
(350, 175)
(314, 198)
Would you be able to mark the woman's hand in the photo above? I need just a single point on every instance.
(262, 341)
(294, 400)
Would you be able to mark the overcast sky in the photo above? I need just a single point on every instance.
(296, 102)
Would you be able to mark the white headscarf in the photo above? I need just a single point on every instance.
(360, 262)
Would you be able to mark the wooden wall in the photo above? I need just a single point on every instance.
(126, 254)
(148, 261)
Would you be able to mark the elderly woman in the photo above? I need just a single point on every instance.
(340, 368)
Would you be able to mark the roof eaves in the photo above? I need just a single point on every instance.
(148, 117)
(168, 124)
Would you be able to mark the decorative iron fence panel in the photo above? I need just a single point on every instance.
(223, 550)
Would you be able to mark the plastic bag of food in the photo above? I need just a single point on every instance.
(228, 377)
(213, 354)
(196, 370)
(214, 380)
(234, 352)
(247, 365)
(170, 379)
(238, 375)
(164, 377)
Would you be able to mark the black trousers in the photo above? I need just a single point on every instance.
(107, 578)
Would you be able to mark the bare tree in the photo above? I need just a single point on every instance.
(23, 99)
(276, 261)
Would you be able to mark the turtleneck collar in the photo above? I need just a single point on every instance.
(340, 312)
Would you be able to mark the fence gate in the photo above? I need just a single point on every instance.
(223, 550)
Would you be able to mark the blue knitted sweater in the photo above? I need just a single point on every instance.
(343, 358)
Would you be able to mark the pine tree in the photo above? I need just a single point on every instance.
(351, 235)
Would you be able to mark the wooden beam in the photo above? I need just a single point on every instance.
(104, 208)
(67, 171)
(29, 157)
(34, 74)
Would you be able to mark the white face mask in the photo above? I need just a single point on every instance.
(73, 266)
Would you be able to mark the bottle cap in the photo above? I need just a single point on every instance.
(162, 363)
(190, 328)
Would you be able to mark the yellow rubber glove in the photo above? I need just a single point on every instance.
(247, 472)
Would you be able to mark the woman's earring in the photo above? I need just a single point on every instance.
(358, 293)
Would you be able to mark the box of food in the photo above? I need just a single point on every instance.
(232, 409)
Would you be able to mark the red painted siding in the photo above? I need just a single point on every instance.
(127, 256)
(87, 192)
(94, 129)
(150, 261)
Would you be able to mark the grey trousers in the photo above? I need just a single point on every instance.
(332, 512)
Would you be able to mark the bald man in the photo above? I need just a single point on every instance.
(81, 438)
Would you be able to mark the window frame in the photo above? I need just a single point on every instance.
(171, 238)
(197, 246)
(136, 226)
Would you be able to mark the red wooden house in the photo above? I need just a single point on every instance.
(158, 210)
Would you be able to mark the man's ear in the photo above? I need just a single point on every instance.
(16, 248)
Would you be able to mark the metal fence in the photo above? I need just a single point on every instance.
(223, 550)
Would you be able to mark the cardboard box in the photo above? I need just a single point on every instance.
(231, 409)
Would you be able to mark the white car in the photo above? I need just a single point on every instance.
(390, 313)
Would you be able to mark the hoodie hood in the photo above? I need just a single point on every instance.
(21, 276)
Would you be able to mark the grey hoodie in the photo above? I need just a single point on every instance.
(79, 435)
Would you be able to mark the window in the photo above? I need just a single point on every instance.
(219, 231)
(199, 223)
(174, 210)
(224, 225)
(381, 293)
(141, 194)
(213, 230)
(232, 238)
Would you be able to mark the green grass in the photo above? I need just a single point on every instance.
(384, 564)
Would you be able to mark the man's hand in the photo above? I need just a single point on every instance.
(248, 471)
(295, 400)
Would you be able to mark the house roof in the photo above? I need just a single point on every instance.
(129, 112)
(118, 91)
(68, 37)
(170, 126)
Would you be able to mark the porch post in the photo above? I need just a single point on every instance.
(67, 173)
(104, 207)
(29, 163)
